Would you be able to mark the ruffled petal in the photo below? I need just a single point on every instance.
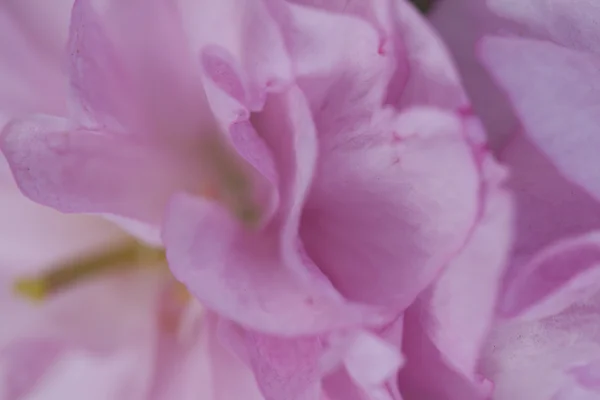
(391, 204)
(257, 276)
(252, 46)
(340, 66)
(241, 275)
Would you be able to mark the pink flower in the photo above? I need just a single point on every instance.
(544, 58)
(310, 170)
(126, 334)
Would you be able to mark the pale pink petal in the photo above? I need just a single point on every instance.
(461, 23)
(536, 359)
(426, 376)
(79, 374)
(424, 74)
(258, 276)
(345, 363)
(461, 303)
(549, 207)
(391, 204)
(285, 368)
(340, 67)
(23, 363)
(574, 23)
(55, 237)
(447, 326)
(588, 374)
(198, 365)
(78, 170)
(209, 370)
(557, 277)
(131, 70)
(32, 40)
(372, 11)
(247, 38)
(241, 275)
(556, 93)
(103, 326)
(372, 364)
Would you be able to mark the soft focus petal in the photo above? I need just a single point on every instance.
(131, 69)
(461, 23)
(82, 374)
(556, 93)
(386, 212)
(54, 236)
(573, 24)
(23, 364)
(198, 364)
(31, 78)
(77, 170)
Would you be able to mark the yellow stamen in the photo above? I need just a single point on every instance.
(127, 256)
(32, 288)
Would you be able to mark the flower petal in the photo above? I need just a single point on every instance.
(556, 92)
(31, 79)
(426, 376)
(424, 74)
(241, 275)
(77, 170)
(461, 23)
(285, 368)
(460, 312)
(131, 70)
(391, 204)
(573, 24)
(536, 359)
(562, 274)
(549, 206)
(259, 276)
